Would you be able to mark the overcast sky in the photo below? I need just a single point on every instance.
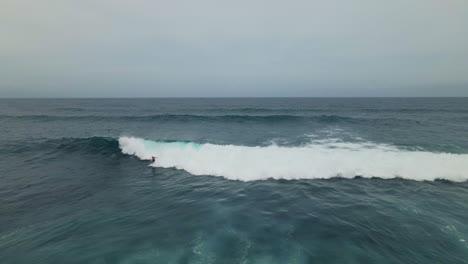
(152, 48)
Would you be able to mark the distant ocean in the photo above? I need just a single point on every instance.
(239, 180)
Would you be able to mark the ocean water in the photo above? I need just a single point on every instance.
(240, 180)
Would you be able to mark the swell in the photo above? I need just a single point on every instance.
(412, 110)
(212, 118)
(92, 145)
(321, 110)
(312, 161)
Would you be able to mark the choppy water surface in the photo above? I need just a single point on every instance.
(273, 180)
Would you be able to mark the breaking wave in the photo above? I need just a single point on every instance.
(317, 160)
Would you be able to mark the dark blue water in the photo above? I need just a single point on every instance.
(273, 180)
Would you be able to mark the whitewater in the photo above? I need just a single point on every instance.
(316, 160)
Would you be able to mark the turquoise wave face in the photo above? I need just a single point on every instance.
(157, 146)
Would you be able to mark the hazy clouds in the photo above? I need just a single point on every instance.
(108, 48)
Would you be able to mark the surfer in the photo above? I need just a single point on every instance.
(153, 158)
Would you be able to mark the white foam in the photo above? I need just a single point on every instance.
(313, 161)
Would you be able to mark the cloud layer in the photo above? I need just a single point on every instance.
(233, 48)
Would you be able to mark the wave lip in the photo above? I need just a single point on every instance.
(312, 161)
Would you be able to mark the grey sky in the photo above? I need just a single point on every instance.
(138, 48)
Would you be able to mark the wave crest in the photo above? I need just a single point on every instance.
(312, 161)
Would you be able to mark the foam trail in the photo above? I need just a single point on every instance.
(316, 160)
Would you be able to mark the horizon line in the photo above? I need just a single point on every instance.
(233, 97)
